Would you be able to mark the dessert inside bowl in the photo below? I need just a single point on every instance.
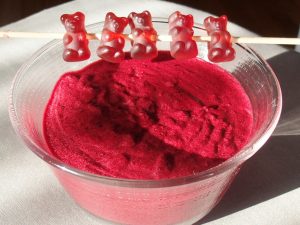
(158, 119)
(132, 122)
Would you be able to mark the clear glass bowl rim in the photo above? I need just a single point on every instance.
(250, 149)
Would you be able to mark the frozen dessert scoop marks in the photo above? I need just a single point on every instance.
(143, 119)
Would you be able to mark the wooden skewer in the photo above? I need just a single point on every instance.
(13, 34)
(93, 36)
(267, 40)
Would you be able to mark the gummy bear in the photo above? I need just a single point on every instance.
(144, 36)
(112, 41)
(75, 40)
(182, 45)
(220, 47)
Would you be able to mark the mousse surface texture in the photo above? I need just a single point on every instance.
(156, 119)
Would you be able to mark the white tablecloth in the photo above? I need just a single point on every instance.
(29, 192)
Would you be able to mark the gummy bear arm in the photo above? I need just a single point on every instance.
(174, 31)
(117, 43)
(227, 36)
(190, 31)
(107, 35)
(181, 30)
(81, 37)
(221, 35)
(137, 32)
(67, 39)
(121, 41)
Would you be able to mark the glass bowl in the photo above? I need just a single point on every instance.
(182, 200)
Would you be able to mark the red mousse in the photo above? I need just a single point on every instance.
(147, 120)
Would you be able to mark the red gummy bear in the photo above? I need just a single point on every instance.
(75, 41)
(182, 45)
(144, 36)
(112, 41)
(220, 47)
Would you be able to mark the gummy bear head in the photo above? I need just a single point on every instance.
(140, 20)
(180, 20)
(212, 24)
(114, 23)
(73, 22)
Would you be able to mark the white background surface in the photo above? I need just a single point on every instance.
(29, 193)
